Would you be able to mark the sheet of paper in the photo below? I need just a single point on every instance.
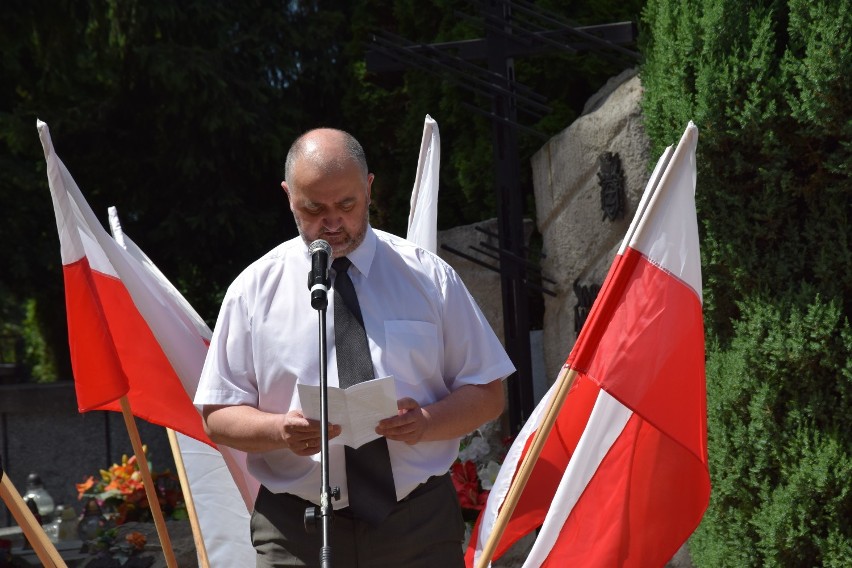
(357, 409)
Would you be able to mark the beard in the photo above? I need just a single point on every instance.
(343, 242)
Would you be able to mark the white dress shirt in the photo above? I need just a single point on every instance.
(422, 325)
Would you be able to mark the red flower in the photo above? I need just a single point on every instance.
(466, 482)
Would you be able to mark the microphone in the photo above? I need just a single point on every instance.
(318, 276)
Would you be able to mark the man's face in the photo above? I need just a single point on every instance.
(333, 206)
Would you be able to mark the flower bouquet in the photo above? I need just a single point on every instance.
(120, 493)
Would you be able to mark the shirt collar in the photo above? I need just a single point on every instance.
(362, 257)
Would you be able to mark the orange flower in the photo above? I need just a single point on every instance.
(82, 488)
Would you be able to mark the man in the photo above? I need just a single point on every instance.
(422, 327)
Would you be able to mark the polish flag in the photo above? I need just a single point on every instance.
(622, 478)
(114, 352)
(132, 333)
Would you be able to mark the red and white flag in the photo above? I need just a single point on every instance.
(622, 479)
(132, 333)
(114, 352)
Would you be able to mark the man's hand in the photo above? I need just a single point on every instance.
(455, 415)
(251, 430)
(408, 425)
(302, 435)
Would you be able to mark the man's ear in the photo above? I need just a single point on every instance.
(370, 179)
(286, 189)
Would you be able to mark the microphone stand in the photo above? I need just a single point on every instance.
(325, 510)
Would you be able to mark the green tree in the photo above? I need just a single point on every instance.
(779, 439)
(767, 85)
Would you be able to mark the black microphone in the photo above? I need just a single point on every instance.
(318, 276)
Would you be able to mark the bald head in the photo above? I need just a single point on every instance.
(328, 186)
(326, 149)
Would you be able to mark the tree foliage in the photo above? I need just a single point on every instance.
(767, 84)
(179, 114)
(779, 439)
(768, 88)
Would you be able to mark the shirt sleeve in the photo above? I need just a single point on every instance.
(228, 376)
(472, 352)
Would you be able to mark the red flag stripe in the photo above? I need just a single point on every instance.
(156, 393)
(654, 307)
(100, 379)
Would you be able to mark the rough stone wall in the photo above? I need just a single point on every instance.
(578, 244)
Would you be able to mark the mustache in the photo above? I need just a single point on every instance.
(335, 233)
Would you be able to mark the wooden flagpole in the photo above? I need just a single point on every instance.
(150, 490)
(566, 379)
(187, 497)
(44, 549)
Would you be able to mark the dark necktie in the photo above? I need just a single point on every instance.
(372, 494)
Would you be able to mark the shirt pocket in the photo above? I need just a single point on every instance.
(412, 350)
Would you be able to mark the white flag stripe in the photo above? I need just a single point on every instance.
(71, 246)
(665, 236)
(219, 502)
(98, 261)
(605, 425)
(650, 187)
(186, 310)
(423, 215)
(115, 227)
(76, 240)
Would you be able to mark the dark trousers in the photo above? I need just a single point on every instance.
(424, 530)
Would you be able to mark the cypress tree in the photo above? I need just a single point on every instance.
(767, 83)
